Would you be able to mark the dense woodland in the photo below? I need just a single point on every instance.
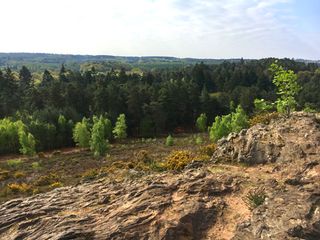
(155, 102)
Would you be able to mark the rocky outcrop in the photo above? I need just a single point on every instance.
(168, 206)
(282, 140)
(202, 202)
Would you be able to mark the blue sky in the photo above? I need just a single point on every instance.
(181, 28)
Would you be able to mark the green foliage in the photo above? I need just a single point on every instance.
(9, 139)
(120, 130)
(14, 163)
(201, 122)
(239, 120)
(260, 105)
(221, 127)
(27, 143)
(81, 133)
(169, 141)
(44, 133)
(35, 165)
(226, 124)
(199, 140)
(255, 198)
(99, 142)
(287, 88)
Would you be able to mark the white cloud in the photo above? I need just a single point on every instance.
(185, 28)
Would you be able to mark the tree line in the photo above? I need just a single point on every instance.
(154, 102)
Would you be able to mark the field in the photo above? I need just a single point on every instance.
(21, 176)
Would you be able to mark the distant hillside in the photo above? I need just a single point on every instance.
(41, 61)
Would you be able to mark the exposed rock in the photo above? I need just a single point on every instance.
(205, 201)
(282, 140)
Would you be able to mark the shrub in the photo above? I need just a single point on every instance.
(90, 174)
(14, 163)
(46, 180)
(56, 185)
(226, 124)
(208, 149)
(201, 122)
(120, 130)
(260, 105)
(169, 141)
(81, 134)
(9, 139)
(20, 187)
(239, 120)
(27, 142)
(143, 156)
(264, 118)
(19, 174)
(177, 160)
(255, 198)
(199, 140)
(221, 127)
(35, 165)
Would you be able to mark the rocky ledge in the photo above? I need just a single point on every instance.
(206, 201)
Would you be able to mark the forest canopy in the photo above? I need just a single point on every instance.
(155, 102)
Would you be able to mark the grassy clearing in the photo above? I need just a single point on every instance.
(127, 159)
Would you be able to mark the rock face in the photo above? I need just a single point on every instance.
(283, 140)
(201, 202)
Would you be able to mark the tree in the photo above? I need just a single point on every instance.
(25, 78)
(27, 142)
(201, 122)
(221, 127)
(120, 130)
(287, 88)
(81, 134)
(239, 120)
(98, 142)
(260, 105)
(46, 78)
(169, 141)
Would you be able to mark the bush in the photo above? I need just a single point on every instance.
(81, 134)
(239, 120)
(199, 140)
(47, 180)
(20, 187)
(177, 160)
(208, 149)
(120, 130)
(169, 141)
(226, 124)
(9, 138)
(201, 122)
(221, 127)
(255, 198)
(27, 142)
(264, 118)
(260, 105)
(14, 163)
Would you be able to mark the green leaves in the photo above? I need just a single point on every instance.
(120, 130)
(99, 142)
(226, 124)
(287, 88)
(201, 122)
(81, 134)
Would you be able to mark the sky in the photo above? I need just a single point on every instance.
(179, 28)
